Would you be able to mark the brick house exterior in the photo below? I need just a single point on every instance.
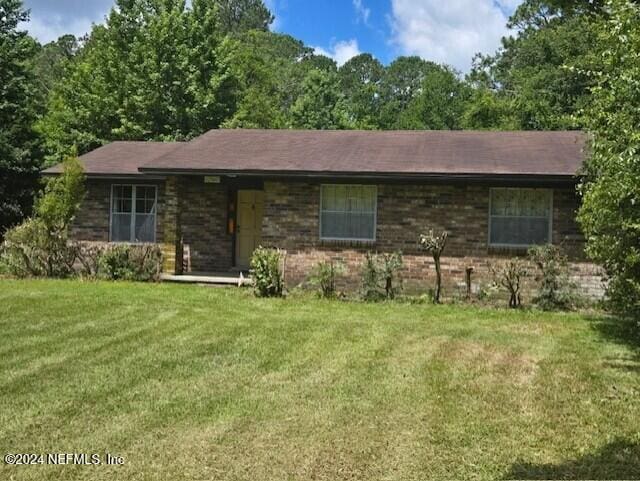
(197, 207)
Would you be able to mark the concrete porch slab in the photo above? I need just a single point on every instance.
(228, 278)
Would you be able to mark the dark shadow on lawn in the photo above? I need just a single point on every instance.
(619, 459)
(620, 331)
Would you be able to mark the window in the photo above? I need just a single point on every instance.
(133, 213)
(520, 217)
(348, 212)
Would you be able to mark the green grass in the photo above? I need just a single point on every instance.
(189, 382)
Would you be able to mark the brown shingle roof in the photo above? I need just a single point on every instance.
(411, 153)
(378, 152)
(120, 158)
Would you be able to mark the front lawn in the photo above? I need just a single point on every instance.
(189, 382)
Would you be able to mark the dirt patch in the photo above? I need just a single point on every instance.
(492, 361)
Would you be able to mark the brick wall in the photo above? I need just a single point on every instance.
(193, 210)
(92, 220)
(197, 212)
(203, 222)
(291, 222)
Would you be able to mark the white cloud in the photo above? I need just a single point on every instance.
(449, 32)
(55, 26)
(510, 4)
(50, 19)
(362, 12)
(341, 51)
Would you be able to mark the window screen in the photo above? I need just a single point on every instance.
(133, 213)
(348, 212)
(520, 217)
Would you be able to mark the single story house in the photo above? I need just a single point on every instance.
(338, 194)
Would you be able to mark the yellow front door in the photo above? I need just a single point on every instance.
(249, 225)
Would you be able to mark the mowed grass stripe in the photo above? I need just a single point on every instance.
(192, 382)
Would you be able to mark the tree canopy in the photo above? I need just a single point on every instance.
(610, 214)
(153, 71)
(19, 143)
(531, 72)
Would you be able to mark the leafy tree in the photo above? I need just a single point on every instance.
(242, 15)
(540, 13)
(155, 71)
(487, 110)
(51, 60)
(62, 196)
(439, 105)
(360, 79)
(269, 71)
(318, 62)
(321, 106)
(400, 85)
(610, 213)
(19, 143)
(531, 72)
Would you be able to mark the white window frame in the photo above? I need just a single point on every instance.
(350, 239)
(519, 246)
(133, 213)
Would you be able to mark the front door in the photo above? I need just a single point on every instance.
(249, 225)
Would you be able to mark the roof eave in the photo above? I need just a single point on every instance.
(111, 175)
(398, 176)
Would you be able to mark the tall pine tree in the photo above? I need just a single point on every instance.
(19, 144)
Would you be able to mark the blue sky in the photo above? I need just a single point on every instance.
(446, 31)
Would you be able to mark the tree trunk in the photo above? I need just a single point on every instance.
(436, 297)
(468, 271)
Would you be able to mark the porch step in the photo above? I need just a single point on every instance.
(222, 278)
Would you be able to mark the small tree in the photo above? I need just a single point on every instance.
(555, 289)
(390, 264)
(435, 244)
(380, 276)
(62, 197)
(510, 275)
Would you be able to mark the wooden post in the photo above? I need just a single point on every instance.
(469, 271)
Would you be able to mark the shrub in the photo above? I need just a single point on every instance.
(510, 276)
(324, 276)
(435, 244)
(555, 289)
(266, 271)
(88, 258)
(389, 265)
(32, 250)
(40, 246)
(130, 262)
(380, 276)
(370, 279)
